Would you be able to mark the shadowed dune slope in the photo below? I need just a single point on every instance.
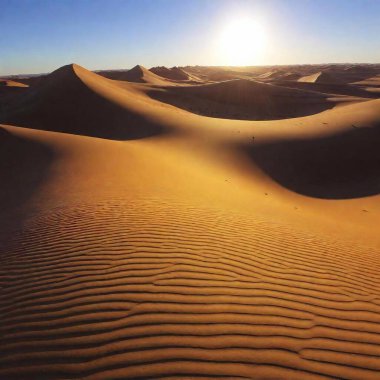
(24, 166)
(290, 76)
(244, 99)
(28, 80)
(75, 100)
(174, 73)
(371, 81)
(272, 74)
(344, 164)
(328, 88)
(139, 74)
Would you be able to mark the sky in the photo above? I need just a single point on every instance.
(38, 36)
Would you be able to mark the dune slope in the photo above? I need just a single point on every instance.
(11, 83)
(174, 73)
(335, 164)
(320, 77)
(244, 99)
(75, 100)
(140, 74)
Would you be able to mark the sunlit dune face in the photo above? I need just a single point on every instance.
(242, 42)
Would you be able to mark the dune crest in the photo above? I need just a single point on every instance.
(11, 83)
(320, 77)
(139, 74)
(174, 73)
(84, 103)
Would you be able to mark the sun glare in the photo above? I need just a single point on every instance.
(242, 42)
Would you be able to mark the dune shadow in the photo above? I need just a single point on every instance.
(342, 166)
(339, 89)
(24, 165)
(243, 100)
(75, 109)
(9, 94)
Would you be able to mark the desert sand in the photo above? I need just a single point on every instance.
(11, 83)
(320, 77)
(152, 228)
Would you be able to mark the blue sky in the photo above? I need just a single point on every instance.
(42, 35)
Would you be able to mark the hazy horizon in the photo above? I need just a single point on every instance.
(222, 66)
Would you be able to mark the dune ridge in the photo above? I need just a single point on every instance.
(11, 83)
(107, 110)
(138, 74)
(174, 73)
(320, 77)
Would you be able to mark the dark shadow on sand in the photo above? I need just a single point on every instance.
(243, 100)
(341, 166)
(24, 165)
(338, 89)
(72, 107)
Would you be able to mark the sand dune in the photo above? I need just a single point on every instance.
(174, 73)
(320, 77)
(223, 73)
(336, 165)
(246, 99)
(9, 89)
(106, 109)
(138, 74)
(28, 80)
(11, 83)
(272, 74)
(205, 248)
(328, 88)
(142, 75)
(290, 76)
(371, 81)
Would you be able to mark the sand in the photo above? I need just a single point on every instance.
(245, 99)
(320, 77)
(138, 74)
(143, 240)
(11, 83)
(174, 73)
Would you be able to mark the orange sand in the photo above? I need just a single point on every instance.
(143, 240)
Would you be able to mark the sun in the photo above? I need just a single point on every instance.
(242, 42)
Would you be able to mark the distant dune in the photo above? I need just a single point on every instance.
(174, 73)
(11, 83)
(290, 76)
(371, 81)
(75, 100)
(320, 77)
(141, 239)
(272, 74)
(245, 99)
(138, 74)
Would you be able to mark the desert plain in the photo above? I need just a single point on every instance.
(193, 222)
